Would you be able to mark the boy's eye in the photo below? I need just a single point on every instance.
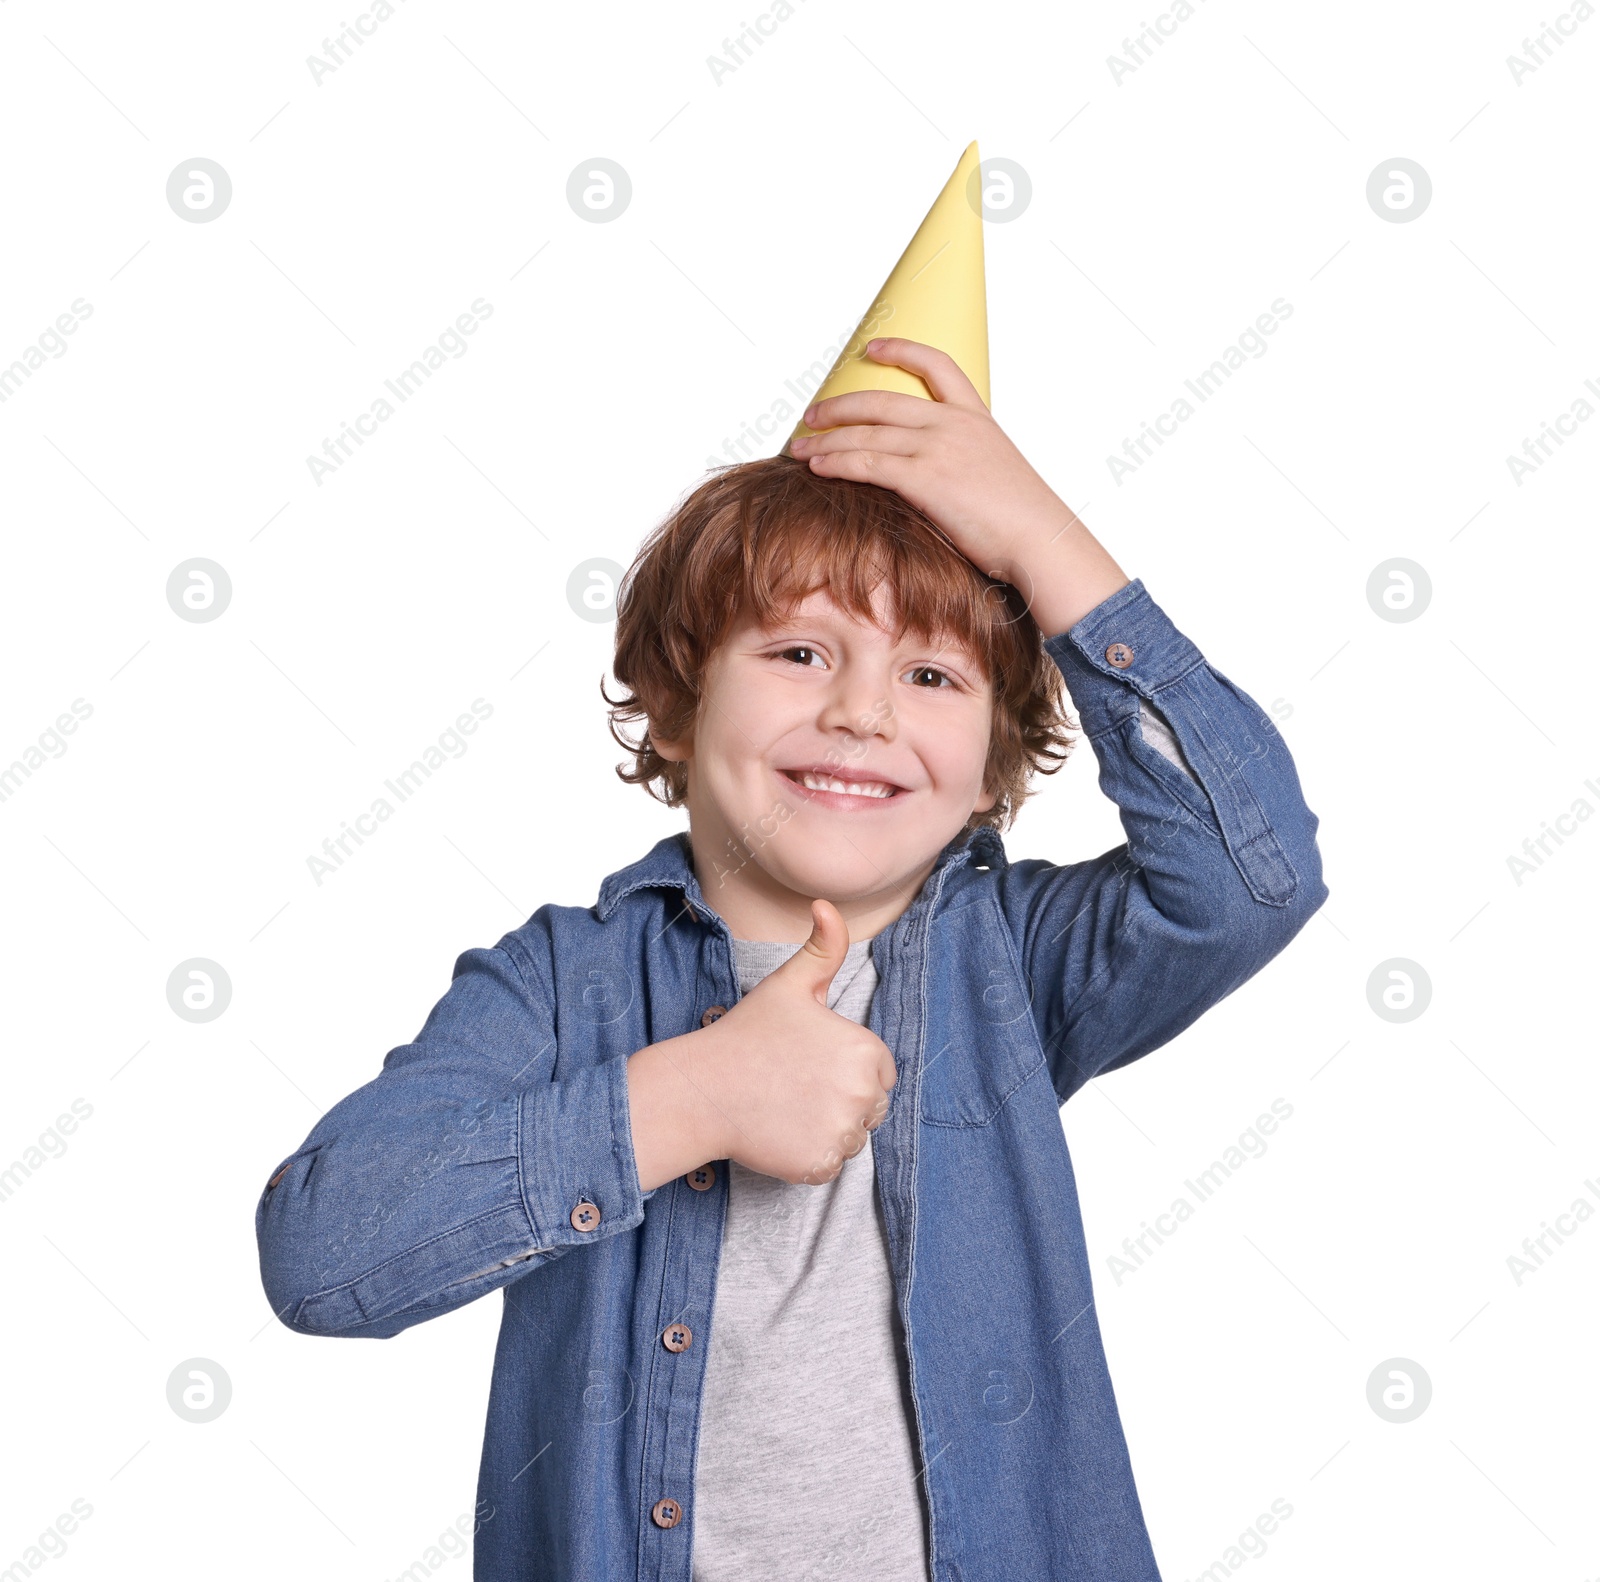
(929, 676)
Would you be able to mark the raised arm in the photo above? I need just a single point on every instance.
(460, 1167)
(1220, 869)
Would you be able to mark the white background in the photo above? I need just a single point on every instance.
(431, 569)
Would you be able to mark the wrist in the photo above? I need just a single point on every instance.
(1036, 523)
(673, 1111)
(1063, 575)
(701, 1058)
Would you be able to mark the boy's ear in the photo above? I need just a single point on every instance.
(675, 752)
(986, 800)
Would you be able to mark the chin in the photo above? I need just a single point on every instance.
(840, 872)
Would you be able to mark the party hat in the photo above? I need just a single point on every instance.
(935, 294)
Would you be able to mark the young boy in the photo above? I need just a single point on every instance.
(764, 1148)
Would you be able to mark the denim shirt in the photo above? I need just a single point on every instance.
(494, 1153)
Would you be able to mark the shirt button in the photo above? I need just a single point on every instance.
(666, 1513)
(586, 1216)
(701, 1180)
(676, 1337)
(1120, 655)
(713, 1013)
(279, 1176)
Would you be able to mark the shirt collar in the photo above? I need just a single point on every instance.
(669, 865)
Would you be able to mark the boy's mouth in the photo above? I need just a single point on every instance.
(838, 785)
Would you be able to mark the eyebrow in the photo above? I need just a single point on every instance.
(791, 618)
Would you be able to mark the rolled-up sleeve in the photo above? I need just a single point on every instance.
(464, 1164)
(1220, 869)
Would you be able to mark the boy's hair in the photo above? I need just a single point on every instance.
(755, 539)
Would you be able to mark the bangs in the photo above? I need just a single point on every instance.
(855, 545)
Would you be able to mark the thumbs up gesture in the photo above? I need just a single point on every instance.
(799, 1086)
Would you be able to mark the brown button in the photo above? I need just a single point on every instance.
(666, 1513)
(586, 1216)
(701, 1179)
(676, 1337)
(714, 1013)
(280, 1175)
(1120, 655)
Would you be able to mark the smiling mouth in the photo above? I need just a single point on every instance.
(818, 780)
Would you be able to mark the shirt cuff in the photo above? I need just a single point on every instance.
(580, 1181)
(1125, 647)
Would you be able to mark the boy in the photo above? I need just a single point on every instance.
(794, 1272)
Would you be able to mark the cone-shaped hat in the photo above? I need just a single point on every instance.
(935, 294)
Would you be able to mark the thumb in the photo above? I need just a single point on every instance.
(816, 961)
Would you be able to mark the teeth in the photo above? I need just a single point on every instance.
(872, 788)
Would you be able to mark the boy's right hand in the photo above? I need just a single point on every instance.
(800, 1086)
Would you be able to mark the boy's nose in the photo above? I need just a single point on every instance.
(861, 710)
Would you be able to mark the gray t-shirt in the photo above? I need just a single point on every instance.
(807, 1468)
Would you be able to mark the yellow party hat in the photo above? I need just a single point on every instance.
(935, 294)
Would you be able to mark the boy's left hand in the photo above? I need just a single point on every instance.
(947, 456)
(952, 461)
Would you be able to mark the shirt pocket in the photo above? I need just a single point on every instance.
(982, 1044)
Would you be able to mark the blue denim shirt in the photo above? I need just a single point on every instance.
(494, 1153)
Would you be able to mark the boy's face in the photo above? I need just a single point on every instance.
(830, 757)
